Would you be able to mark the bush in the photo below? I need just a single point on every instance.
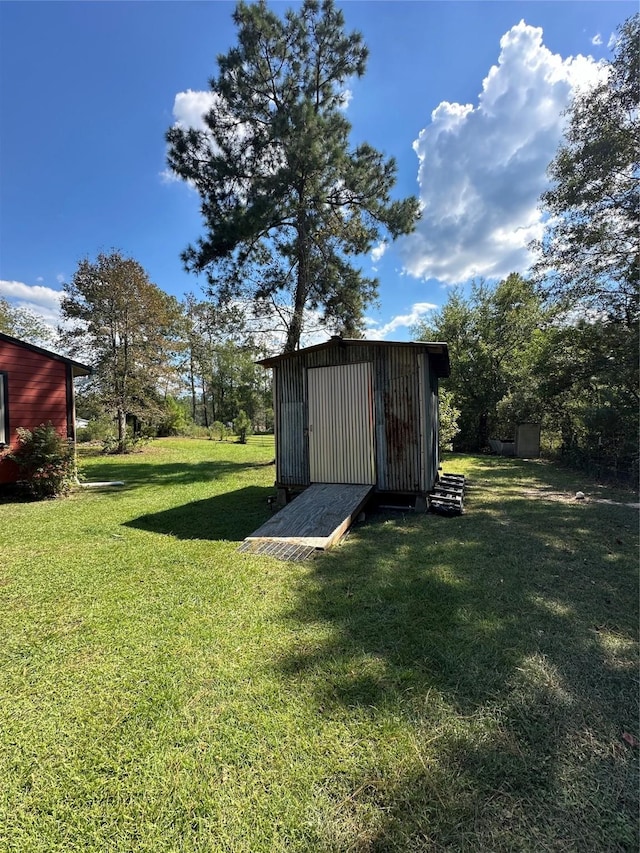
(98, 429)
(132, 443)
(219, 430)
(448, 417)
(174, 420)
(242, 426)
(46, 461)
(197, 431)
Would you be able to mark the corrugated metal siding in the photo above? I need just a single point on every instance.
(399, 445)
(435, 421)
(425, 433)
(341, 438)
(404, 397)
(292, 463)
(431, 428)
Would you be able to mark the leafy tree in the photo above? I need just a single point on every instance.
(6, 321)
(448, 419)
(491, 336)
(175, 419)
(207, 329)
(220, 365)
(515, 360)
(24, 324)
(589, 254)
(287, 204)
(589, 266)
(233, 381)
(588, 382)
(126, 327)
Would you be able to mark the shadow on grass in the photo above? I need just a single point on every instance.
(505, 641)
(230, 516)
(147, 471)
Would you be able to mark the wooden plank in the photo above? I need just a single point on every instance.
(318, 518)
(448, 494)
(446, 489)
(436, 497)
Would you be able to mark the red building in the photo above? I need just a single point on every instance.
(36, 386)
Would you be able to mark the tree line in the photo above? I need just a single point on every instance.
(160, 366)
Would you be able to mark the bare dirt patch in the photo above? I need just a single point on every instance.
(569, 497)
(550, 495)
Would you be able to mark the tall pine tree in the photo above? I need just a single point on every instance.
(287, 204)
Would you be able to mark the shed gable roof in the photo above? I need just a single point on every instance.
(77, 368)
(438, 351)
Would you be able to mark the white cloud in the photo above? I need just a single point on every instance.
(190, 107)
(378, 251)
(613, 41)
(597, 39)
(346, 96)
(61, 278)
(167, 176)
(418, 311)
(42, 301)
(482, 167)
(34, 294)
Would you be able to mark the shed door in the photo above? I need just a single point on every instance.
(341, 434)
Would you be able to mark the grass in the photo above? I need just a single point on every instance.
(431, 684)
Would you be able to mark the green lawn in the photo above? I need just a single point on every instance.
(432, 684)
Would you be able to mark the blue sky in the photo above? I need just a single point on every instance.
(467, 96)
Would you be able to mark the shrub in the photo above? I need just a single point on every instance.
(242, 426)
(46, 461)
(197, 431)
(218, 429)
(98, 429)
(174, 420)
(448, 416)
(132, 443)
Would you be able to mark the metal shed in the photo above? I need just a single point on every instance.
(356, 411)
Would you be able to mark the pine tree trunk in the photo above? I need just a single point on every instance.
(122, 430)
(294, 331)
(192, 381)
(204, 404)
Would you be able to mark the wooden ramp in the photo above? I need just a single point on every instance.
(315, 520)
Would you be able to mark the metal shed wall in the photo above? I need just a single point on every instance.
(432, 428)
(341, 424)
(405, 413)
